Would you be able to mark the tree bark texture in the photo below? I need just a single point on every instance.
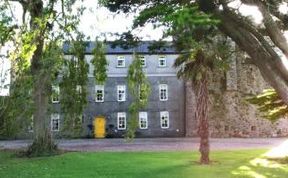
(42, 143)
(201, 115)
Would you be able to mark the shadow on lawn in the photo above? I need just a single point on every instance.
(262, 167)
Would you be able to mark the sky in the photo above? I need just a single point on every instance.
(97, 20)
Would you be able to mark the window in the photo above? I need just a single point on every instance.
(120, 61)
(121, 95)
(164, 119)
(79, 89)
(143, 61)
(75, 61)
(55, 94)
(143, 120)
(55, 122)
(31, 124)
(163, 92)
(162, 61)
(99, 90)
(78, 120)
(141, 92)
(121, 120)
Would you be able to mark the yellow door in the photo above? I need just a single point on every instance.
(99, 127)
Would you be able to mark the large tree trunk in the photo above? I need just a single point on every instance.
(42, 143)
(202, 118)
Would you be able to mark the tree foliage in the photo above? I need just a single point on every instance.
(198, 42)
(139, 88)
(73, 88)
(265, 43)
(38, 62)
(99, 62)
(270, 105)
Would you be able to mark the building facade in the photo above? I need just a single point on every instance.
(109, 103)
(171, 105)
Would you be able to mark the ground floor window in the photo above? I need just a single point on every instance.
(31, 124)
(143, 120)
(121, 120)
(55, 122)
(164, 119)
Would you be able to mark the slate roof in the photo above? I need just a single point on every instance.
(143, 47)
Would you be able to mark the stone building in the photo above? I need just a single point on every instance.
(107, 110)
(230, 114)
(170, 111)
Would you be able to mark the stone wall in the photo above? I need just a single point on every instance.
(230, 114)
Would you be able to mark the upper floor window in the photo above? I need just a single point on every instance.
(79, 89)
(141, 93)
(162, 61)
(163, 92)
(99, 90)
(55, 94)
(121, 120)
(143, 120)
(55, 122)
(121, 93)
(164, 119)
(143, 61)
(120, 61)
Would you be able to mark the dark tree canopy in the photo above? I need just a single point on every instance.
(264, 43)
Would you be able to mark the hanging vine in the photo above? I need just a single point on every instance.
(99, 62)
(139, 88)
(73, 88)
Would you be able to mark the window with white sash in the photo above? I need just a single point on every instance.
(121, 120)
(163, 92)
(162, 61)
(120, 61)
(99, 91)
(143, 120)
(164, 119)
(121, 93)
(55, 122)
(55, 97)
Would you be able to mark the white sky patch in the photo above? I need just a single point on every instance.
(248, 11)
(283, 8)
(4, 71)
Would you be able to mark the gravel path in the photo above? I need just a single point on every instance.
(153, 144)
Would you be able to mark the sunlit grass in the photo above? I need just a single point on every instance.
(226, 164)
(280, 151)
(275, 159)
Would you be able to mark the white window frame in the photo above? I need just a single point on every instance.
(163, 87)
(121, 88)
(121, 58)
(143, 116)
(55, 117)
(56, 89)
(119, 116)
(99, 88)
(143, 58)
(79, 89)
(160, 59)
(164, 114)
(31, 125)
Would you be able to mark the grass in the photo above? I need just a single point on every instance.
(227, 164)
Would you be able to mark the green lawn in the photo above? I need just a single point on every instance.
(227, 164)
